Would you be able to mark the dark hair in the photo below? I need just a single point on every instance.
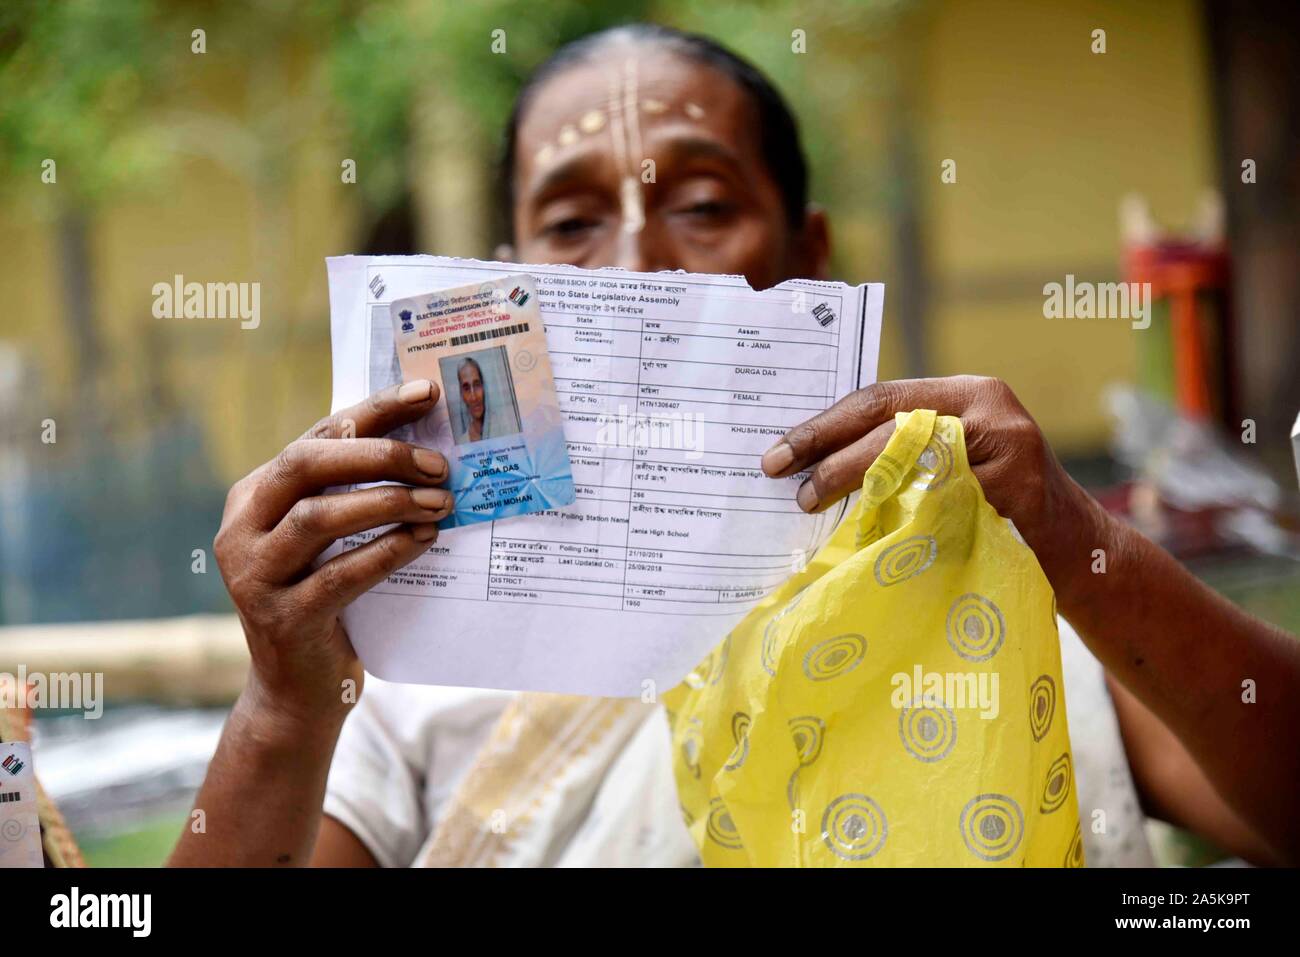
(778, 131)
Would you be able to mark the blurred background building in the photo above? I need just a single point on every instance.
(225, 166)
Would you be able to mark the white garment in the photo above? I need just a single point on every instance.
(497, 422)
(1108, 800)
(405, 749)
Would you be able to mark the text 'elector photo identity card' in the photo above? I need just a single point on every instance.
(497, 419)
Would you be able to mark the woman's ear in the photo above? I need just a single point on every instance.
(813, 245)
(504, 253)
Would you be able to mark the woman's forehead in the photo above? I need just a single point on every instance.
(598, 105)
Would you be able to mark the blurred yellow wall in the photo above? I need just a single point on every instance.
(1047, 137)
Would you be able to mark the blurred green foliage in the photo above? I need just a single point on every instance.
(86, 81)
(74, 80)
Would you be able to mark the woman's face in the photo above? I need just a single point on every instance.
(471, 391)
(646, 160)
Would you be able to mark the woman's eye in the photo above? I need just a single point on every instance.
(707, 208)
(568, 227)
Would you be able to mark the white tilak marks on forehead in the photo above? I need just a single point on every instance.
(625, 131)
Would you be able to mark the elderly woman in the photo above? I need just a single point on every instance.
(417, 770)
(479, 418)
(470, 377)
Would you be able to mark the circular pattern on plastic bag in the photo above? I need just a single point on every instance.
(691, 745)
(1074, 855)
(854, 827)
(740, 732)
(834, 657)
(905, 559)
(721, 828)
(1057, 786)
(1042, 706)
(768, 650)
(992, 826)
(976, 627)
(934, 465)
(928, 729)
(808, 732)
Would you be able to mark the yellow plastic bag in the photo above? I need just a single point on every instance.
(897, 703)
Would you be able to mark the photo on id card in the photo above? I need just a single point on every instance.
(497, 420)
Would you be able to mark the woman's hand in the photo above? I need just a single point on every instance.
(1020, 476)
(265, 787)
(277, 521)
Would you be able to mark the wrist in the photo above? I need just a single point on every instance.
(1089, 535)
(280, 721)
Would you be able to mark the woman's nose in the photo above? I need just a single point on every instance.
(637, 248)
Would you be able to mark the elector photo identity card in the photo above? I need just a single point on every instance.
(497, 419)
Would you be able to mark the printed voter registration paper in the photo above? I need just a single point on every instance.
(497, 420)
(20, 827)
(671, 386)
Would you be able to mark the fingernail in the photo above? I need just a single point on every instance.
(430, 463)
(416, 391)
(778, 458)
(424, 533)
(806, 496)
(431, 498)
